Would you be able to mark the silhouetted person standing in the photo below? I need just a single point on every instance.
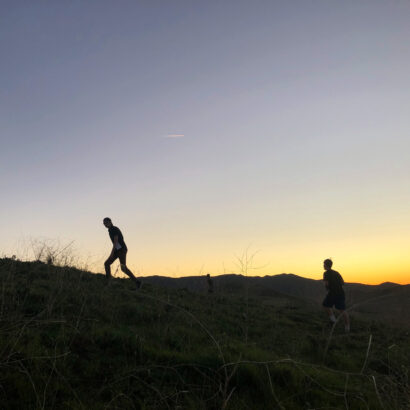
(336, 295)
(210, 283)
(119, 250)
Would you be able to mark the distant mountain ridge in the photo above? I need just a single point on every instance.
(387, 301)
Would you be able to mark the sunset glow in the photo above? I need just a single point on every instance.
(208, 131)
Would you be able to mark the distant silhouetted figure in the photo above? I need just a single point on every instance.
(210, 283)
(119, 250)
(336, 295)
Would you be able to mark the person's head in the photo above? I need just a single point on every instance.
(107, 222)
(327, 264)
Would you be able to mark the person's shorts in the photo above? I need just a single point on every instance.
(338, 301)
(121, 254)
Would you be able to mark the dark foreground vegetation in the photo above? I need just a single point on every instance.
(69, 341)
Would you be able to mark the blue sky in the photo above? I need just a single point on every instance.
(293, 116)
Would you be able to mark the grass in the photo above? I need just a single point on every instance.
(69, 341)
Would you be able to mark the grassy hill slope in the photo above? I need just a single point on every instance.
(388, 301)
(70, 341)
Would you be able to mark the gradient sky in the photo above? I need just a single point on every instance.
(205, 128)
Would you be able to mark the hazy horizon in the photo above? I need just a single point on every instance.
(207, 128)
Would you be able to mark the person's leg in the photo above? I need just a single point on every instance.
(124, 268)
(108, 263)
(346, 319)
(341, 307)
(331, 314)
(328, 306)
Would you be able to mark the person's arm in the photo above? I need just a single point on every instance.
(326, 281)
(116, 243)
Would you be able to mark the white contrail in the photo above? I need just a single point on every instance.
(175, 136)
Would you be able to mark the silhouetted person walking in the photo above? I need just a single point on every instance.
(119, 250)
(336, 295)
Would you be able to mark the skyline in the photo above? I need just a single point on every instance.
(203, 130)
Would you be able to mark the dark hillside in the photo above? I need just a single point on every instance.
(69, 341)
(387, 301)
